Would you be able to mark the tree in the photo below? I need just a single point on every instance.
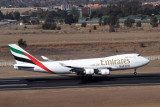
(157, 9)
(33, 14)
(16, 15)
(22, 43)
(94, 14)
(123, 8)
(62, 13)
(129, 22)
(9, 16)
(51, 15)
(75, 12)
(1, 16)
(69, 19)
(100, 22)
(111, 20)
(49, 20)
(148, 9)
(154, 21)
(94, 27)
(138, 24)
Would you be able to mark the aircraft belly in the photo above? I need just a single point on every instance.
(62, 70)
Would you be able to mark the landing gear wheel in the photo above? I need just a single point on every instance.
(135, 73)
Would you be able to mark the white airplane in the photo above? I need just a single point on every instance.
(82, 67)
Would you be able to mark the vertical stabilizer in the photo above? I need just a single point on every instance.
(20, 55)
(23, 57)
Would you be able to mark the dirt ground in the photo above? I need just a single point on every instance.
(133, 96)
(71, 34)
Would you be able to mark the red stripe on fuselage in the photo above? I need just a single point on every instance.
(37, 62)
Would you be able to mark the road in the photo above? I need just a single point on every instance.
(65, 81)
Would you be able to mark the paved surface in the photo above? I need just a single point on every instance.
(57, 82)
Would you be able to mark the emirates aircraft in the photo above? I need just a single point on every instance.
(82, 67)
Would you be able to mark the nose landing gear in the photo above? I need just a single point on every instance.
(135, 73)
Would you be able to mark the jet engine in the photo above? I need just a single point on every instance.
(104, 71)
(89, 71)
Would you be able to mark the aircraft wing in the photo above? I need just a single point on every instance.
(45, 58)
(83, 68)
(89, 70)
(62, 64)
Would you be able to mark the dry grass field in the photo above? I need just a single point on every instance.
(72, 43)
(68, 34)
(133, 96)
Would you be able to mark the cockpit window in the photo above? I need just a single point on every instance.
(139, 55)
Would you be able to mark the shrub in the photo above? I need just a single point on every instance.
(25, 27)
(35, 22)
(129, 22)
(138, 24)
(155, 24)
(22, 43)
(94, 27)
(58, 28)
(49, 26)
(111, 29)
(142, 45)
(84, 24)
(46, 26)
(90, 30)
(53, 26)
(25, 21)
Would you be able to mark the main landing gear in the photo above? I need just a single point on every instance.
(84, 77)
(135, 73)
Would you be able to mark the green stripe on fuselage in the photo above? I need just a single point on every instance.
(16, 51)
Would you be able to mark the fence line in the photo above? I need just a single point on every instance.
(157, 57)
(4, 64)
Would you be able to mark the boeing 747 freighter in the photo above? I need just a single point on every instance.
(82, 67)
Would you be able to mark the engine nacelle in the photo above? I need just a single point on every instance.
(89, 71)
(104, 71)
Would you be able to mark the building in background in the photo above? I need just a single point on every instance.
(67, 7)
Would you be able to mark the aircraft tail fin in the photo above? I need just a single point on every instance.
(24, 59)
(21, 56)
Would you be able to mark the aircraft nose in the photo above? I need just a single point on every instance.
(146, 61)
